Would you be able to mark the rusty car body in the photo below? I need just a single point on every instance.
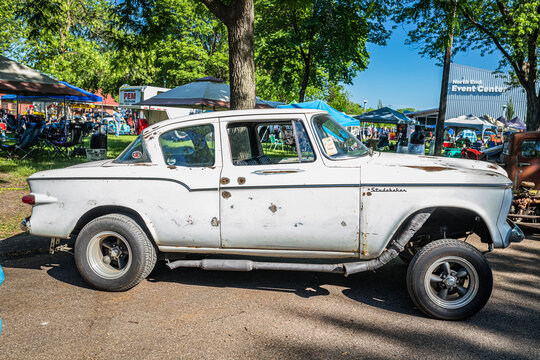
(218, 191)
(521, 158)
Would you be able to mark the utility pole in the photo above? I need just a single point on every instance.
(439, 128)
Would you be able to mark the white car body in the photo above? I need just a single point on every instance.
(349, 208)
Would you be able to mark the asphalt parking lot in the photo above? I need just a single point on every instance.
(48, 312)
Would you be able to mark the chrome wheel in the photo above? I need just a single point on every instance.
(109, 255)
(451, 282)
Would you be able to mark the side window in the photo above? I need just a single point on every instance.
(192, 146)
(530, 149)
(269, 143)
(134, 153)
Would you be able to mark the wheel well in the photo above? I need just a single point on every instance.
(450, 222)
(106, 210)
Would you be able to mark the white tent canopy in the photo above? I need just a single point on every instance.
(470, 122)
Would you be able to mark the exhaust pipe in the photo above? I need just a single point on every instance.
(248, 265)
(347, 269)
(395, 247)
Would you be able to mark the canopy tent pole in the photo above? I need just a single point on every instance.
(18, 120)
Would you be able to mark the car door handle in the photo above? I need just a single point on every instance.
(524, 164)
(277, 172)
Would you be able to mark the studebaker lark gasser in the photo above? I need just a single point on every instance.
(231, 190)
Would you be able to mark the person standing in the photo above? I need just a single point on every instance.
(117, 122)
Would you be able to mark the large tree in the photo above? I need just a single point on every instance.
(239, 17)
(435, 26)
(513, 28)
(508, 26)
(307, 42)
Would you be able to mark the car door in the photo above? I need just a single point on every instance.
(276, 193)
(528, 161)
(185, 208)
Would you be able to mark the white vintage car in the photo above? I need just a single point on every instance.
(229, 190)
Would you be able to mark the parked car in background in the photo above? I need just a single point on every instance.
(205, 191)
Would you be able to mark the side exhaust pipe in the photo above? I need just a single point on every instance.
(248, 265)
(347, 269)
(394, 248)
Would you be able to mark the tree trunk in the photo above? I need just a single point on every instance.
(305, 80)
(533, 110)
(439, 128)
(239, 18)
(241, 32)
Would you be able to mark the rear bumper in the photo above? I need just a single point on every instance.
(25, 224)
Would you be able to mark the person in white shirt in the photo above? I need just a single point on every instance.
(118, 121)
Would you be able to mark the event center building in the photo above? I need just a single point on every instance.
(478, 92)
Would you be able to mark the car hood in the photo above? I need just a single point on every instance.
(402, 168)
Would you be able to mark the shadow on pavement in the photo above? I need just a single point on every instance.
(515, 269)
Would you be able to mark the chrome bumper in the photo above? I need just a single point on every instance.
(516, 235)
(25, 224)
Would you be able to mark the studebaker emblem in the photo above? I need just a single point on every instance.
(386, 189)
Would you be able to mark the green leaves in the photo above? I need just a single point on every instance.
(301, 43)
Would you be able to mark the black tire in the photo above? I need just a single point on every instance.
(113, 253)
(454, 297)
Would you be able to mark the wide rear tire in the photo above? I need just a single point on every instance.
(113, 253)
(449, 279)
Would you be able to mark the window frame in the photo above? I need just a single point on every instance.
(137, 161)
(185, 125)
(319, 140)
(255, 123)
(536, 141)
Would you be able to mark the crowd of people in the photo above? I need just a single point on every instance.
(124, 122)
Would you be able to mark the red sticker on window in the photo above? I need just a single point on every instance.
(136, 155)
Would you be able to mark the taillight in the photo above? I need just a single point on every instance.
(29, 199)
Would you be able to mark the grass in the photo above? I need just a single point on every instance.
(13, 174)
(15, 170)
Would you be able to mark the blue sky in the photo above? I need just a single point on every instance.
(400, 77)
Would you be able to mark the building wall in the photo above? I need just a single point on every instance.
(479, 92)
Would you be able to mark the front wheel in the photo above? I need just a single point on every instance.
(449, 279)
(113, 253)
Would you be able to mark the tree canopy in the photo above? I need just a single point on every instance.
(304, 49)
(507, 26)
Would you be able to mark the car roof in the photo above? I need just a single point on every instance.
(231, 113)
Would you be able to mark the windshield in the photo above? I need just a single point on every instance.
(134, 153)
(337, 142)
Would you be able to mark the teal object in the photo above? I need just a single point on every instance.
(2, 277)
(341, 118)
(452, 152)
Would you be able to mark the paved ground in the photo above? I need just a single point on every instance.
(48, 312)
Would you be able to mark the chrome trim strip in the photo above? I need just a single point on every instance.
(290, 186)
(439, 185)
(123, 178)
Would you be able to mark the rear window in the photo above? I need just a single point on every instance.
(192, 146)
(134, 153)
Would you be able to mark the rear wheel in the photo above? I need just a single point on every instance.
(449, 279)
(113, 253)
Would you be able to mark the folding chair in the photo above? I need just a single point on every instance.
(275, 142)
(28, 144)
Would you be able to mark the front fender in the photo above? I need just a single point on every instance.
(383, 212)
